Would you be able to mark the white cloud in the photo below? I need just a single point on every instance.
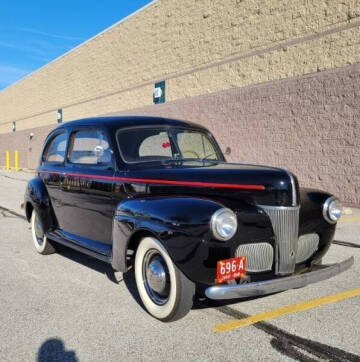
(10, 74)
(23, 48)
(33, 44)
(35, 31)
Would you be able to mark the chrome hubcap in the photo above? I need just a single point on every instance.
(156, 277)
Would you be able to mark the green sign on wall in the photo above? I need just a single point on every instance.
(159, 92)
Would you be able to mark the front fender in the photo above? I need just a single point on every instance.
(37, 195)
(180, 223)
(312, 219)
(182, 226)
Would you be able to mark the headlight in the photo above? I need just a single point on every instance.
(224, 224)
(332, 210)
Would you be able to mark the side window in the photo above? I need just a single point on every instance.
(89, 147)
(55, 149)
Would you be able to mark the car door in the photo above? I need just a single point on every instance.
(51, 170)
(87, 186)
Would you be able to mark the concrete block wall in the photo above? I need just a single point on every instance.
(183, 42)
(276, 80)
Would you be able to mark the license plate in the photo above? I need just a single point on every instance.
(230, 269)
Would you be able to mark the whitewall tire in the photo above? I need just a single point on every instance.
(41, 243)
(165, 291)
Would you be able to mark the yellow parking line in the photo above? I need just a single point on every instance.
(349, 219)
(227, 326)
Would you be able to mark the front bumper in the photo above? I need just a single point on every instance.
(318, 273)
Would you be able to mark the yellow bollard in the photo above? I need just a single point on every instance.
(7, 160)
(16, 160)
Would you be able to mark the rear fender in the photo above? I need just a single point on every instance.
(37, 195)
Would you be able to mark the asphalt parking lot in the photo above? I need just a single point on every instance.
(70, 307)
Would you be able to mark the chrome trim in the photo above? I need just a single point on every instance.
(213, 221)
(293, 188)
(321, 273)
(326, 209)
(285, 223)
(307, 246)
(156, 277)
(283, 208)
(259, 256)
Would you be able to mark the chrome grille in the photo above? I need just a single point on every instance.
(307, 245)
(259, 256)
(285, 222)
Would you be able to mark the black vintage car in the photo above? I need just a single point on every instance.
(157, 195)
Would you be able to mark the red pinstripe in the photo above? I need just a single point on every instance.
(163, 182)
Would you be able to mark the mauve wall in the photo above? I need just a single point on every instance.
(29, 150)
(309, 125)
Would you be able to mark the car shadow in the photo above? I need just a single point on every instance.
(103, 268)
(53, 349)
(130, 283)
(90, 262)
(204, 303)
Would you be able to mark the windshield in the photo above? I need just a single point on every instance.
(160, 144)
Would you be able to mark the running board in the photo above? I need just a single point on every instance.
(53, 236)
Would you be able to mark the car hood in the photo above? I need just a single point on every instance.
(222, 180)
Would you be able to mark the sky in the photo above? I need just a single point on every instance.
(33, 33)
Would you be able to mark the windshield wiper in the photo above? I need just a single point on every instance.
(173, 160)
(208, 160)
(181, 160)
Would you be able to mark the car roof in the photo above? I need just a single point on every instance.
(129, 121)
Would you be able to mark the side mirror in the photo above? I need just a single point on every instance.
(227, 151)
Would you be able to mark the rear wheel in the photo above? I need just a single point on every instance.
(166, 292)
(42, 244)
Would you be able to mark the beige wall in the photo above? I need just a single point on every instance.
(277, 80)
(183, 41)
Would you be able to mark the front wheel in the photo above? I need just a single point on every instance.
(42, 244)
(165, 291)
